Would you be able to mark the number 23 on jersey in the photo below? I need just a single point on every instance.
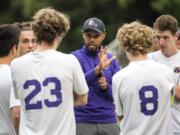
(38, 87)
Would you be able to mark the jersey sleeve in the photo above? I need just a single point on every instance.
(116, 96)
(13, 100)
(79, 82)
(13, 75)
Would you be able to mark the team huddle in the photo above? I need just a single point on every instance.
(47, 92)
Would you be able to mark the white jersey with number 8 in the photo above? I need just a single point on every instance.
(142, 93)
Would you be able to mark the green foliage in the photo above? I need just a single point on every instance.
(167, 7)
(124, 3)
(113, 12)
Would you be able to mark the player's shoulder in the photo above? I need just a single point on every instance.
(5, 68)
(20, 60)
(122, 73)
(178, 53)
(154, 54)
(162, 68)
(66, 58)
(154, 63)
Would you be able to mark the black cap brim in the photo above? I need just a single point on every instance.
(97, 30)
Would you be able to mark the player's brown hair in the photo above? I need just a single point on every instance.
(166, 22)
(24, 25)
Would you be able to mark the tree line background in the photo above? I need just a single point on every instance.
(113, 12)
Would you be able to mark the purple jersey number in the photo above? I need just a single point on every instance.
(37, 89)
(148, 96)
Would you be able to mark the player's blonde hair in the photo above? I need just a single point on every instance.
(49, 23)
(136, 38)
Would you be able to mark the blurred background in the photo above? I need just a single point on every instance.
(113, 12)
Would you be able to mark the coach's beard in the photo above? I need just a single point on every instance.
(93, 48)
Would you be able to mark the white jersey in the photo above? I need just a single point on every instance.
(14, 101)
(142, 93)
(174, 63)
(6, 126)
(44, 83)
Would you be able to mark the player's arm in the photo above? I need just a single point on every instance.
(80, 100)
(177, 92)
(15, 113)
(15, 106)
(116, 96)
(80, 89)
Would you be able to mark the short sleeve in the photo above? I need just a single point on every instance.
(79, 82)
(116, 96)
(13, 100)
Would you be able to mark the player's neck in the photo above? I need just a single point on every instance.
(169, 53)
(139, 57)
(5, 60)
(43, 46)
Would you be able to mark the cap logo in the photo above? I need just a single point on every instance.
(92, 23)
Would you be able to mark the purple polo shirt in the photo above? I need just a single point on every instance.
(100, 107)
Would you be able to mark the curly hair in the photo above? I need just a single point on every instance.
(49, 23)
(166, 22)
(136, 38)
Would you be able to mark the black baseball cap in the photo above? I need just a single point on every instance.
(94, 24)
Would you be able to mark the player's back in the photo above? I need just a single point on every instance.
(144, 89)
(6, 126)
(45, 83)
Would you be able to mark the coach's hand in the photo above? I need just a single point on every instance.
(102, 83)
(103, 60)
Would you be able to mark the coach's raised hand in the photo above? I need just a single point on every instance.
(103, 60)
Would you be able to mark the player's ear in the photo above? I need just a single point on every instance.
(14, 51)
(176, 35)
